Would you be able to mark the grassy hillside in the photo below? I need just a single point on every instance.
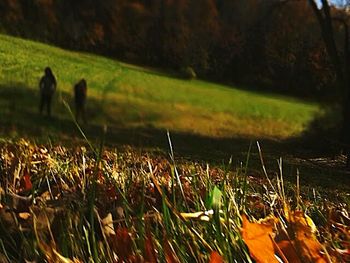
(123, 95)
(74, 204)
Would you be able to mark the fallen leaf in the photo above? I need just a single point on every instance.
(107, 224)
(258, 239)
(215, 258)
(150, 252)
(18, 202)
(203, 216)
(302, 230)
(121, 243)
(26, 183)
(344, 254)
(24, 215)
(301, 221)
(288, 250)
(170, 255)
(309, 248)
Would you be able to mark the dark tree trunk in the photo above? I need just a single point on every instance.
(341, 68)
(346, 102)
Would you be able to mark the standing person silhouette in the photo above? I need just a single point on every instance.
(80, 92)
(47, 87)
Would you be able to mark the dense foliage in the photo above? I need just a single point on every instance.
(267, 42)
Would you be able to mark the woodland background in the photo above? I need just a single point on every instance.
(262, 43)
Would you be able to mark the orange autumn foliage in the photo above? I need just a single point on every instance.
(215, 258)
(258, 239)
(300, 245)
(288, 250)
(304, 242)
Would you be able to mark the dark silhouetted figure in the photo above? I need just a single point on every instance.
(47, 87)
(80, 91)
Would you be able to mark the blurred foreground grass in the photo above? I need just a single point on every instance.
(76, 205)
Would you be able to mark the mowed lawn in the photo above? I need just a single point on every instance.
(123, 95)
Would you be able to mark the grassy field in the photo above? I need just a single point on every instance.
(206, 120)
(73, 203)
(123, 95)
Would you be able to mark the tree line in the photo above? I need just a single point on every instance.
(292, 46)
(262, 43)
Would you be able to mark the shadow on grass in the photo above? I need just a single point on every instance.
(19, 117)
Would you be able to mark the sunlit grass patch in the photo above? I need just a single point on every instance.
(122, 94)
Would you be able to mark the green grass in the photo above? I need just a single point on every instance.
(73, 189)
(123, 95)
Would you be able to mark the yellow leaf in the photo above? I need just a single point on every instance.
(24, 215)
(107, 224)
(300, 221)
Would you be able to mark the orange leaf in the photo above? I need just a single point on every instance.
(215, 258)
(307, 247)
(258, 239)
(24, 215)
(289, 251)
(302, 222)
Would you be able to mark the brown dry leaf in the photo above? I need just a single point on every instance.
(51, 254)
(307, 247)
(258, 239)
(62, 259)
(170, 255)
(18, 202)
(215, 258)
(150, 252)
(121, 243)
(344, 254)
(27, 182)
(7, 219)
